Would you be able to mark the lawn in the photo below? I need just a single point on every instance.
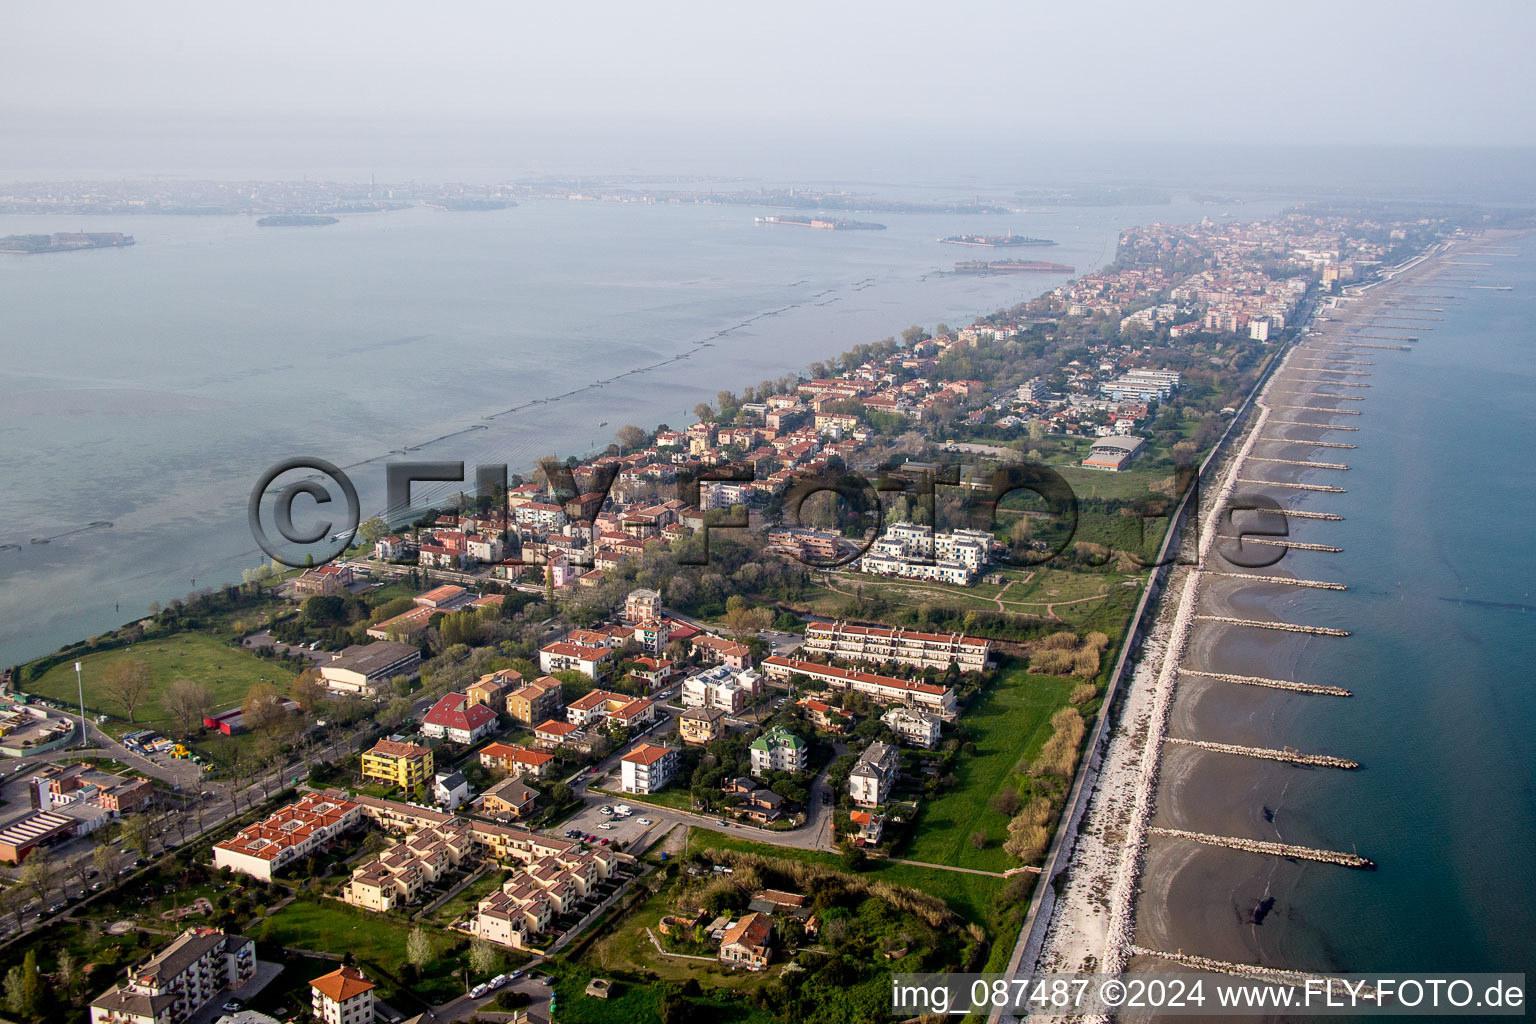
(330, 927)
(377, 941)
(227, 672)
(1011, 721)
(637, 1004)
(973, 897)
(629, 948)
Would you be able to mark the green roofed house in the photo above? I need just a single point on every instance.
(779, 750)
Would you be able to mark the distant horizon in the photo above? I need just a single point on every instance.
(80, 145)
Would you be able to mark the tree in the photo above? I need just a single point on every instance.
(32, 982)
(126, 682)
(371, 530)
(263, 709)
(137, 834)
(105, 859)
(418, 948)
(13, 901)
(16, 991)
(188, 701)
(702, 411)
(67, 973)
(40, 874)
(630, 437)
(483, 958)
(308, 689)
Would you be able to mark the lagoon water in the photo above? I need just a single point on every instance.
(151, 386)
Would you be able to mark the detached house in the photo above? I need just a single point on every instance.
(455, 719)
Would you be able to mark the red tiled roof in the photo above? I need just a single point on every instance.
(454, 712)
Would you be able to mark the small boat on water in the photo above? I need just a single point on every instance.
(603, 424)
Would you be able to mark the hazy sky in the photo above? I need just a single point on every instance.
(1319, 72)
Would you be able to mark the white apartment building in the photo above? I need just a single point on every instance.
(722, 687)
(915, 727)
(870, 781)
(342, 997)
(262, 849)
(647, 768)
(897, 646)
(778, 750)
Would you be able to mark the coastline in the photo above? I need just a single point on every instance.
(1163, 892)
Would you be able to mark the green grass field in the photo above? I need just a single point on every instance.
(329, 926)
(228, 672)
(637, 1004)
(1010, 722)
(973, 897)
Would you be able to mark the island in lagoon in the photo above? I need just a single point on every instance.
(823, 223)
(295, 220)
(1012, 267)
(996, 241)
(64, 241)
(465, 204)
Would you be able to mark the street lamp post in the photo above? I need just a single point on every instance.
(80, 682)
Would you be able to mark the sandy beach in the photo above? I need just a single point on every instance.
(1127, 894)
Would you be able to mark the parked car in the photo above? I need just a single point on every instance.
(497, 982)
(645, 821)
(477, 992)
(606, 824)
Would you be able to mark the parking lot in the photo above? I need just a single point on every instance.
(625, 830)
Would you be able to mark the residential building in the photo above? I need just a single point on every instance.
(455, 719)
(701, 725)
(642, 605)
(647, 768)
(652, 635)
(915, 727)
(323, 581)
(450, 790)
(719, 650)
(553, 734)
(366, 668)
(614, 708)
(930, 697)
(562, 655)
(826, 717)
(342, 997)
(509, 798)
(262, 849)
(400, 873)
(517, 761)
(723, 687)
(494, 689)
(778, 750)
(871, 827)
(535, 702)
(870, 781)
(897, 646)
(747, 942)
(198, 967)
(406, 765)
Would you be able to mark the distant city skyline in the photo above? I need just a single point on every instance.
(1312, 73)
